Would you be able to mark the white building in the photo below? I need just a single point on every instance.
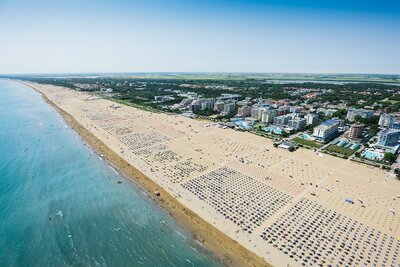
(326, 130)
(311, 118)
(244, 111)
(256, 113)
(282, 120)
(339, 121)
(202, 104)
(388, 137)
(230, 107)
(207, 103)
(268, 116)
(363, 113)
(297, 123)
(219, 106)
(386, 120)
(327, 112)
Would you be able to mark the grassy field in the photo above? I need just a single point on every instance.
(340, 150)
(304, 142)
(374, 78)
(272, 77)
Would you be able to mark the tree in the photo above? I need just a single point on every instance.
(284, 134)
(368, 121)
(389, 157)
(374, 129)
(341, 113)
(358, 118)
(291, 149)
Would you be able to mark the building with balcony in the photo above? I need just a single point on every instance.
(326, 131)
(356, 131)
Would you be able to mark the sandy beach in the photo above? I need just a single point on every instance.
(249, 203)
(223, 247)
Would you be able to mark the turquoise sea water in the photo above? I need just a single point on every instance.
(61, 205)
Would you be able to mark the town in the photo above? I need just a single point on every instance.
(355, 121)
(299, 124)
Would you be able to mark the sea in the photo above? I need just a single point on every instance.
(62, 205)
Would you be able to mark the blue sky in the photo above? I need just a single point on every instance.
(40, 36)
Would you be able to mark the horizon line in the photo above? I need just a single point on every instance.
(196, 72)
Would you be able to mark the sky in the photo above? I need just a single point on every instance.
(302, 36)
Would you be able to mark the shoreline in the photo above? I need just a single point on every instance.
(225, 249)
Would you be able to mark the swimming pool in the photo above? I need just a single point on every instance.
(335, 142)
(343, 143)
(355, 146)
(242, 123)
(273, 129)
(373, 155)
(306, 136)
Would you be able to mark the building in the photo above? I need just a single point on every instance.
(327, 112)
(388, 137)
(281, 120)
(219, 106)
(297, 123)
(268, 116)
(244, 111)
(311, 118)
(189, 95)
(225, 97)
(256, 113)
(295, 109)
(280, 112)
(286, 109)
(195, 105)
(356, 131)
(386, 120)
(202, 104)
(339, 121)
(395, 125)
(230, 107)
(207, 104)
(286, 145)
(326, 130)
(245, 102)
(184, 104)
(163, 98)
(352, 113)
